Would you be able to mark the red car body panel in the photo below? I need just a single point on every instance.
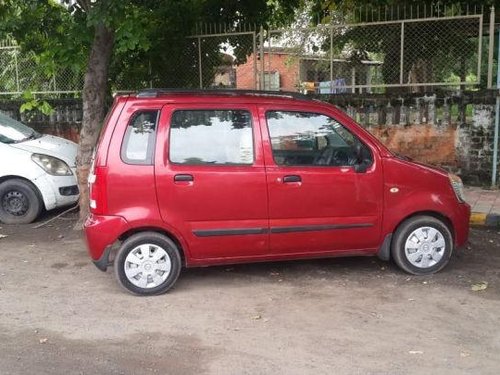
(325, 195)
(421, 189)
(232, 214)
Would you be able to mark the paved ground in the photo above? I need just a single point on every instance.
(60, 315)
(485, 205)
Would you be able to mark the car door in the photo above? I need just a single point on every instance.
(319, 201)
(210, 179)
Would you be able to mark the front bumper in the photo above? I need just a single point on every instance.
(57, 191)
(461, 223)
(100, 233)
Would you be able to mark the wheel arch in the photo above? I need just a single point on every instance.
(435, 214)
(158, 230)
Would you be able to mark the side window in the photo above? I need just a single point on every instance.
(218, 137)
(312, 139)
(139, 141)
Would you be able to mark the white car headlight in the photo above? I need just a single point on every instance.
(458, 186)
(52, 165)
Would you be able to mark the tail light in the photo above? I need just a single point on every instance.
(97, 190)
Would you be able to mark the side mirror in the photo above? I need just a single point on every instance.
(362, 167)
(363, 158)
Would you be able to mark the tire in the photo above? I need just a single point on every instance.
(422, 245)
(20, 202)
(147, 263)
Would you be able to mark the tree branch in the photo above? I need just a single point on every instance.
(84, 4)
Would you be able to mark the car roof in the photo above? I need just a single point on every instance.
(222, 92)
(215, 95)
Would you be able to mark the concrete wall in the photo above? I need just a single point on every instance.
(474, 145)
(457, 135)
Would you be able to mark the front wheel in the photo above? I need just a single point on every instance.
(147, 263)
(19, 202)
(422, 245)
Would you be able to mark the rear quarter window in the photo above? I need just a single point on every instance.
(139, 140)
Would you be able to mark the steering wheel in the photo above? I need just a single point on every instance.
(332, 156)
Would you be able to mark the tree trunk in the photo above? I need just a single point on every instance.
(94, 100)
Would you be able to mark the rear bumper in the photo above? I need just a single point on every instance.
(100, 233)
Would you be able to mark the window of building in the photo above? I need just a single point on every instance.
(272, 81)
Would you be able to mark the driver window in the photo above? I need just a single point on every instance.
(312, 139)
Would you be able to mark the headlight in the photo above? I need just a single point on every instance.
(52, 165)
(458, 186)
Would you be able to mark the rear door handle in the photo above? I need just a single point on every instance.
(183, 177)
(292, 178)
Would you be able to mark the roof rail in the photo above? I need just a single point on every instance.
(153, 93)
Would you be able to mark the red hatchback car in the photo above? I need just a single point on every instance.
(216, 177)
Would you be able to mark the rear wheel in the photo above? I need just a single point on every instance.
(147, 263)
(19, 202)
(422, 245)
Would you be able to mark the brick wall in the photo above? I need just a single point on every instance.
(455, 133)
(286, 65)
(424, 142)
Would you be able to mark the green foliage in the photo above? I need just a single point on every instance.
(32, 104)
(47, 29)
(149, 36)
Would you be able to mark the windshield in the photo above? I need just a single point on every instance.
(12, 131)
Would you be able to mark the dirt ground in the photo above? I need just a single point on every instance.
(60, 315)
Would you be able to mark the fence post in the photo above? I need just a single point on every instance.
(491, 45)
(199, 63)
(331, 59)
(401, 56)
(254, 59)
(17, 71)
(261, 42)
(480, 49)
(150, 73)
(497, 120)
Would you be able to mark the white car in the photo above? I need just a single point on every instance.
(36, 172)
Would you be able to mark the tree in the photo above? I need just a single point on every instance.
(108, 37)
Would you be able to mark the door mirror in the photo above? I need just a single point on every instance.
(363, 158)
(362, 167)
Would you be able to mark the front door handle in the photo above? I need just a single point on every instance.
(183, 177)
(292, 178)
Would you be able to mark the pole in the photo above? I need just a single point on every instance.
(17, 70)
(497, 121)
(480, 48)
(491, 47)
(261, 75)
(200, 72)
(254, 59)
(401, 56)
(331, 60)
